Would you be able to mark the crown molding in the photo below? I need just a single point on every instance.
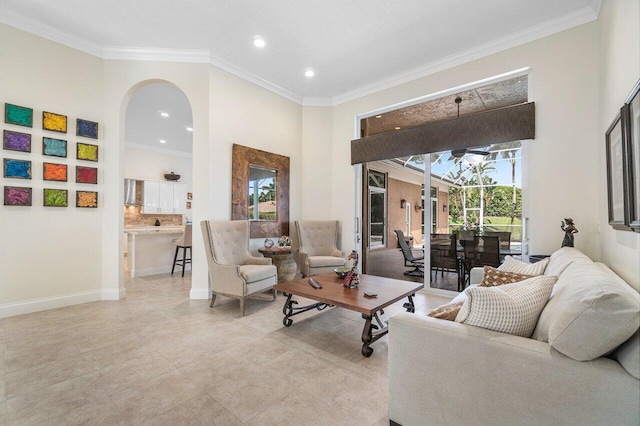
(252, 78)
(48, 32)
(153, 54)
(142, 147)
(319, 102)
(582, 16)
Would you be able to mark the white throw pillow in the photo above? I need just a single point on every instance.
(512, 265)
(510, 308)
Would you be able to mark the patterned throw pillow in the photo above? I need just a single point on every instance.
(446, 312)
(493, 277)
(512, 265)
(510, 308)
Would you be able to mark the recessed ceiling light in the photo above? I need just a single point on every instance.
(397, 128)
(164, 114)
(189, 129)
(378, 116)
(162, 141)
(259, 41)
(309, 72)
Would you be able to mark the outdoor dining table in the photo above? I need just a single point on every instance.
(463, 264)
(503, 251)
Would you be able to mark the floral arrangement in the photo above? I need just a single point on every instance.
(284, 241)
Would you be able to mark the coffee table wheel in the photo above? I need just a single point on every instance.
(366, 350)
(287, 322)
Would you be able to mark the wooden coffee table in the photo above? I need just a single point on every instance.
(333, 293)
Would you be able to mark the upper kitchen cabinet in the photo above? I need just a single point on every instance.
(164, 197)
(179, 198)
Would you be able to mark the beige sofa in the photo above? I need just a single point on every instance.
(580, 367)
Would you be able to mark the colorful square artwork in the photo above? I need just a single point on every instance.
(54, 122)
(19, 169)
(88, 129)
(16, 196)
(21, 116)
(16, 141)
(86, 174)
(52, 171)
(54, 147)
(87, 152)
(56, 197)
(87, 199)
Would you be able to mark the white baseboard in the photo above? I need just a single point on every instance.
(114, 294)
(199, 293)
(160, 270)
(46, 303)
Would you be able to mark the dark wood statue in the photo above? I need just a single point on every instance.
(569, 229)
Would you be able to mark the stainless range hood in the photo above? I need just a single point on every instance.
(130, 186)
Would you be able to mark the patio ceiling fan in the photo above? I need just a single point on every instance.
(459, 153)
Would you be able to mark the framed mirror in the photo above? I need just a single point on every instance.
(260, 191)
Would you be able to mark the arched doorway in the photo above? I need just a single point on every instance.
(158, 126)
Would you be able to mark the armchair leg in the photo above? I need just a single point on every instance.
(275, 293)
(213, 299)
(242, 306)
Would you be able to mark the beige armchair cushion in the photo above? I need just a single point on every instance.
(251, 273)
(318, 237)
(325, 261)
(229, 248)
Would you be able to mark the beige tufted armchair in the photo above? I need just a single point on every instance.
(318, 246)
(233, 271)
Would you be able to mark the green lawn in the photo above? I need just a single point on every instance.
(501, 223)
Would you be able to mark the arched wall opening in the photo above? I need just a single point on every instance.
(158, 141)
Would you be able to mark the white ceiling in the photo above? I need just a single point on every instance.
(355, 46)
(145, 127)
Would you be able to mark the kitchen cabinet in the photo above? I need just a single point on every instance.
(163, 197)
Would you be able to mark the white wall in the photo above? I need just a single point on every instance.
(145, 164)
(248, 115)
(50, 257)
(620, 69)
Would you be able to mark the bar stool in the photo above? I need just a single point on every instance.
(183, 243)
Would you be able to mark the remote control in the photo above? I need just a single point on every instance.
(315, 284)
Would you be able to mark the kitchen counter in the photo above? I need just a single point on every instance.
(137, 230)
(156, 253)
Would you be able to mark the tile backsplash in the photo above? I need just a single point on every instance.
(133, 217)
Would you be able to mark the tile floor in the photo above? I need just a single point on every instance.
(158, 358)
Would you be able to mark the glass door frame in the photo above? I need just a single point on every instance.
(383, 191)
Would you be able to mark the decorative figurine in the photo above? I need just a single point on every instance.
(268, 243)
(352, 279)
(284, 241)
(569, 229)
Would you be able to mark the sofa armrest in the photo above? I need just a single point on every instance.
(476, 275)
(443, 372)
